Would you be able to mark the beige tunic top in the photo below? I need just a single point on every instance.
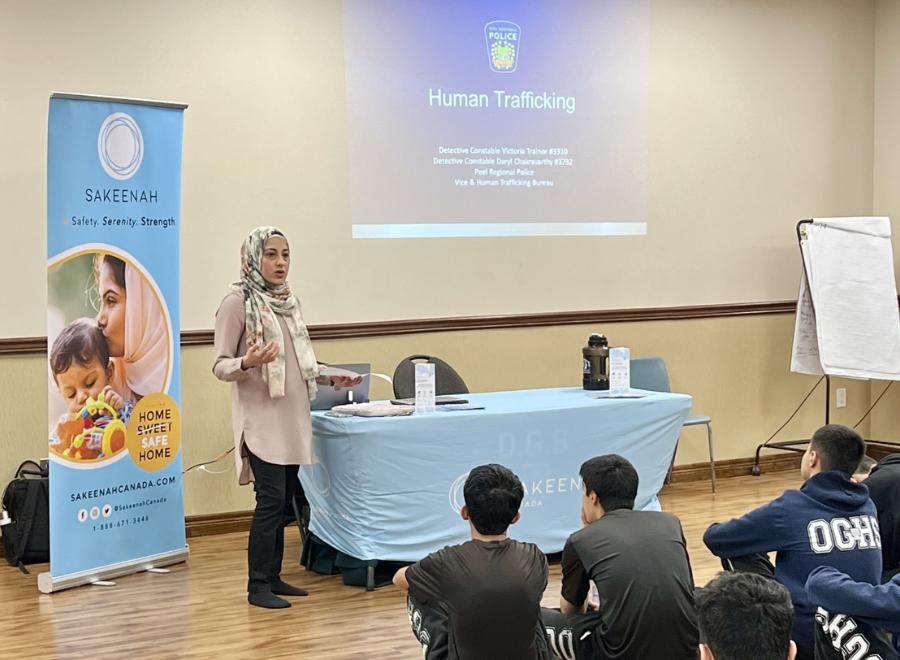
(278, 430)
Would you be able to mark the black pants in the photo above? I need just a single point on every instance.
(758, 564)
(570, 636)
(276, 486)
(429, 627)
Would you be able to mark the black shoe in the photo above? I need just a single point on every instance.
(267, 599)
(285, 589)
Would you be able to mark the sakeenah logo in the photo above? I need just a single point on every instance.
(503, 39)
(535, 490)
(457, 500)
(120, 146)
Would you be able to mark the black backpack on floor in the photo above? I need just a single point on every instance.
(26, 538)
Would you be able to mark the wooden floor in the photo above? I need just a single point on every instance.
(200, 609)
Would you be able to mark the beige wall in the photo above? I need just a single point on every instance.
(760, 113)
(736, 369)
(886, 194)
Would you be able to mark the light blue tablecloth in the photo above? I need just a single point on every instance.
(390, 488)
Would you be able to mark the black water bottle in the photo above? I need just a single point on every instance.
(596, 363)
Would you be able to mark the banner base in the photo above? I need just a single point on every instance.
(48, 584)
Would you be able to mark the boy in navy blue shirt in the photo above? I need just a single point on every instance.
(853, 617)
(830, 521)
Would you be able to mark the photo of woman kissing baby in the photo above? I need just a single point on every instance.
(110, 345)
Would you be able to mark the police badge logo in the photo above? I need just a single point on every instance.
(503, 39)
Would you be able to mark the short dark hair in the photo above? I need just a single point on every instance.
(81, 341)
(493, 495)
(839, 448)
(744, 616)
(613, 479)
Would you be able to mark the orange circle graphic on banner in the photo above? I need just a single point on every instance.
(154, 432)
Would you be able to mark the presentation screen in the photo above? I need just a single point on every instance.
(497, 118)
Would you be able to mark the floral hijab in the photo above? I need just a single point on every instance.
(262, 301)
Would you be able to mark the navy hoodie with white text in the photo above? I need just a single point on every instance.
(830, 521)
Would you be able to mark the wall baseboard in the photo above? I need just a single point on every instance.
(218, 523)
(879, 452)
(239, 521)
(741, 467)
(736, 467)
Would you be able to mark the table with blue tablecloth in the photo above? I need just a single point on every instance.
(390, 488)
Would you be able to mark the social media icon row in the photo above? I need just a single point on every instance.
(95, 513)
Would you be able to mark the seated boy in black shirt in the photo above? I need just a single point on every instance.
(638, 560)
(884, 489)
(481, 599)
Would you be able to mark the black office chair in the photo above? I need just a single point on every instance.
(446, 380)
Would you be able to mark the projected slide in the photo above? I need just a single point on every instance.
(494, 118)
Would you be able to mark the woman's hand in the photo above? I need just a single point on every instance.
(259, 353)
(345, 380)
(337, 377)
(113, 398)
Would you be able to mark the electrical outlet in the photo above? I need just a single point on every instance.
(841, 397)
